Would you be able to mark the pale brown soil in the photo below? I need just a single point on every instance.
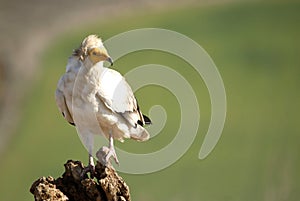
(73, 186)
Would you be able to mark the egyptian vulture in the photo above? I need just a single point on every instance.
(98, 100)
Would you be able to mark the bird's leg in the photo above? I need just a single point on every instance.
(104, 153)
(111, 150)
(91, 163)
(90, 168)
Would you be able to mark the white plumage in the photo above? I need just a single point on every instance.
(98, 100)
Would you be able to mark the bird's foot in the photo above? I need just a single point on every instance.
(112, 153)
(90, 168)
(105, 153)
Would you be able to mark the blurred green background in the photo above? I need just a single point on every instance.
(255, 46)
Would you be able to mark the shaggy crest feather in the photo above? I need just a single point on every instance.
(88, 42)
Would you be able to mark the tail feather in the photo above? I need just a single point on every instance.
(139, 134)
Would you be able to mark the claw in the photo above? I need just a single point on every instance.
(104, 154)
(90, 168)
(111, 153)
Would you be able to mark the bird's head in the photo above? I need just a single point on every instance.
(93, 49)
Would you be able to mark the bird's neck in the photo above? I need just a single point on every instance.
(88, 64)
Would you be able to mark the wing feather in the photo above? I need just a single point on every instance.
(63, 93)
(61, 103)
(117, 95)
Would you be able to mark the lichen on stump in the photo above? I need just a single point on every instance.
(106, 186)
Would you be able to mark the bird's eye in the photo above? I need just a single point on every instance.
(94, 53)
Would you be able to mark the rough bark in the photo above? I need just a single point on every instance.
(106, 186)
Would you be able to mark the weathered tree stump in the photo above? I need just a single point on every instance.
(106, 186)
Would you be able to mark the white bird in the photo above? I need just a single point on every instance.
(98, 100)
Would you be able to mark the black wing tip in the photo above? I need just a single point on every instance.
(147, 120)
(139, 122)
(73, 124)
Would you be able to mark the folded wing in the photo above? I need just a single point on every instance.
(117, 95)
(64, 91)
(61, 102)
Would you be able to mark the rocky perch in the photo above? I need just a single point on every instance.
(106, 186)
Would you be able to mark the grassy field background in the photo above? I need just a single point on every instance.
(256, 49)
